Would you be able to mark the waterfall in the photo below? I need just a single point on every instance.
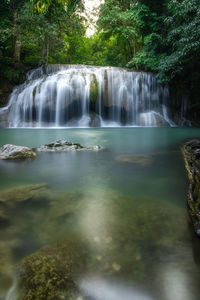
(84, 96)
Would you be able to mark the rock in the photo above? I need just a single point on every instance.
(10, 198)
(139, 159)
(22, 193)
(191, 153)
(52, 272)
(3, 117)
(13, 152)
(64, 146)
(152, 119)
(94, 120)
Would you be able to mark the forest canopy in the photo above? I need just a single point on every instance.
(149, 35)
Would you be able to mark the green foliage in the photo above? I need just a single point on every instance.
(46, 31)
(152, 35)
(135, 28)
(183, 39)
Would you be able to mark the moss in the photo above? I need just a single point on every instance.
(13, 152)
(11, 198)
(22, 193)
(94, 90)
(190, 152)
(52, 272)
(24, 155)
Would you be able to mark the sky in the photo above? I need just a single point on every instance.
(91, 7)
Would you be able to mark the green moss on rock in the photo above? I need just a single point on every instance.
(13, 152)
(94, 90)
(52, 272)
(191, 154)
(11, 198)
(138, 159)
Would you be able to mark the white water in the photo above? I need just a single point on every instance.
(59, 96)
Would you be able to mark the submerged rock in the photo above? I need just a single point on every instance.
(118, 234)
(191, 153)
(139, 159)
(22, 193)
(14, 152)
(5, 270)
(10, 198)
(62, 146)
(52, 272)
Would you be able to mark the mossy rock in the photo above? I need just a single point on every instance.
(138, 159)
(191, 154)
(94, 90)
(13, 152)
(52, 272)
(22, 193)
(64, 146)
(11, 198)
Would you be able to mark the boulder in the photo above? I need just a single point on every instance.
(64, 146)
(152, 118)
(191, 153)
(51, 272)
(13, 152)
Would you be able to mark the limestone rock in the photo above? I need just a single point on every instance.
(64, 146)
(3, 117)
(191, 153)
(13, 152)
(152, 119)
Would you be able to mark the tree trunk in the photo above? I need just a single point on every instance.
(45, 50)
(17, 39)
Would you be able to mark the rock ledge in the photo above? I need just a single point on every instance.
(191, 153)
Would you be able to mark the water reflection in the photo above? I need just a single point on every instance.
(101, 289)
(176, 283)
(94, 217)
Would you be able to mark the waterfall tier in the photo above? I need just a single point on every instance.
(81, 96)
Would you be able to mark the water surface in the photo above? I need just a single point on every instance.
(128, 202)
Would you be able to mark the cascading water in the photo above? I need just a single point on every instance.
(81, 96)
